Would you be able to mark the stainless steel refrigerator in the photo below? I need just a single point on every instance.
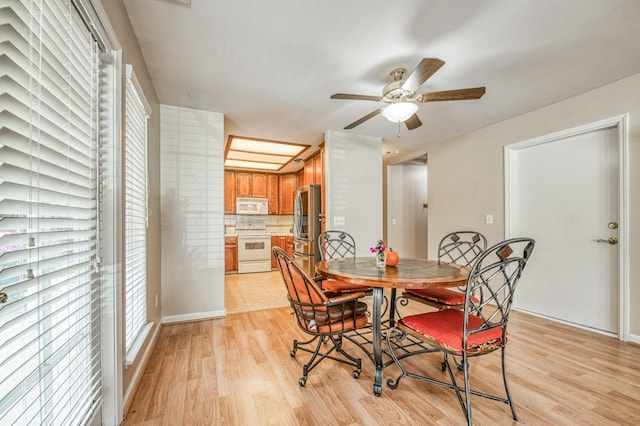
(306, 227)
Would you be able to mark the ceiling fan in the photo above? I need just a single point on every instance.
(402, 98)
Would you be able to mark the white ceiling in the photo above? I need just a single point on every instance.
(270, 66)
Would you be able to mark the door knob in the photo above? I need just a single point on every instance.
(612, 241)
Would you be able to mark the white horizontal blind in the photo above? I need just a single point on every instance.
(50, 367)
(136, 214)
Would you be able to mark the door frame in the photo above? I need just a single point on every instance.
(621, 124)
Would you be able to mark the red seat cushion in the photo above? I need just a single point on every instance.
(444, 328)
(441, 295)
(337, 286)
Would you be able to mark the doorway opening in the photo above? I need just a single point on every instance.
(407, 215)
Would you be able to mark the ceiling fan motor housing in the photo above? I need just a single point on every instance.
(393, 92)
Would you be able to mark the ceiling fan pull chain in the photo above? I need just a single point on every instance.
(398, 129)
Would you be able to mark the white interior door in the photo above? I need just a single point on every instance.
(564, 193)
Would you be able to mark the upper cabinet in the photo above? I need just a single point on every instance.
(273, 187)
(288, 186)
(260, 185)
(251, 184)
(318, 162)
(278, 189)
(229, 191)
(308, 171)
(243, 184)
(313, 173)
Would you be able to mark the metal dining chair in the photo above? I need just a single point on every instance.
(325, 319)
(479, 328)
(338, 244)
(461, 248)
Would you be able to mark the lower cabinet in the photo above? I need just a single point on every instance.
(285, 243)
(230, 254)
(289, 246)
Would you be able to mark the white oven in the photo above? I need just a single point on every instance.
(254, 253)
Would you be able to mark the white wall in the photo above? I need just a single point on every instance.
(353, 170)
(192, 231)
(466, 174)
(406, 215)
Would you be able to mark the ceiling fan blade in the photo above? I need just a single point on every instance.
(363, 119)
(425, 69)
(452, 95)
(413, 122)
(356, 97)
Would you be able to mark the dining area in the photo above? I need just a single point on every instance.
(480, 281)
(246, 368)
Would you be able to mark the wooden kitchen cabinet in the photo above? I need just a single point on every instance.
(289, 246)
(276, 242)
(229, 191)
(230, 254)
(259, 185)
(278, 189)
(300, 177)
(308, 171)
(285, 243)
(317, 168)
(273, 186)
(251, 184)
(288, 186)
(243, 184)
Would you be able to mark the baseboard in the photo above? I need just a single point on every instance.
(634, 338)
(570, 324)
(137, 376)
(194, 317)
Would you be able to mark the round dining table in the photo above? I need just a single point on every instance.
(407, 274)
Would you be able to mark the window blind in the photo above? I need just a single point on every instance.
(135, 217)
(50, 366)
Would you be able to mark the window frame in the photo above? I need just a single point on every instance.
(137, 328)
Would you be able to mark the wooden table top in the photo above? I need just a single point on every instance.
(408, 273)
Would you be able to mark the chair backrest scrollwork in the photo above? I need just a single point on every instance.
(336, 244)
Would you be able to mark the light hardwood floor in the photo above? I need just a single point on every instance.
(237, 371)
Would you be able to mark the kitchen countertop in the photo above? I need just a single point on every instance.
(272, 234)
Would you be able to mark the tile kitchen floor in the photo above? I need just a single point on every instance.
(253, 292)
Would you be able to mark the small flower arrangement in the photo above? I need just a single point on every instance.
(379, 249)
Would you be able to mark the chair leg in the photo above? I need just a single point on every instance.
(467, 388)
(317, 355)
(465, 403)
(356, 362)
(459, 365)
(310, 364)
(506, 385)
(297, 344)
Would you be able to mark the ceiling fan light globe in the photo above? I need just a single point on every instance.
(400, 111)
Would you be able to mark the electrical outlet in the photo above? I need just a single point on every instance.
(489, 219)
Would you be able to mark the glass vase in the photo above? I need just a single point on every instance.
(380, 260)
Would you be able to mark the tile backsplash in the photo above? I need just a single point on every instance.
(276, 224)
